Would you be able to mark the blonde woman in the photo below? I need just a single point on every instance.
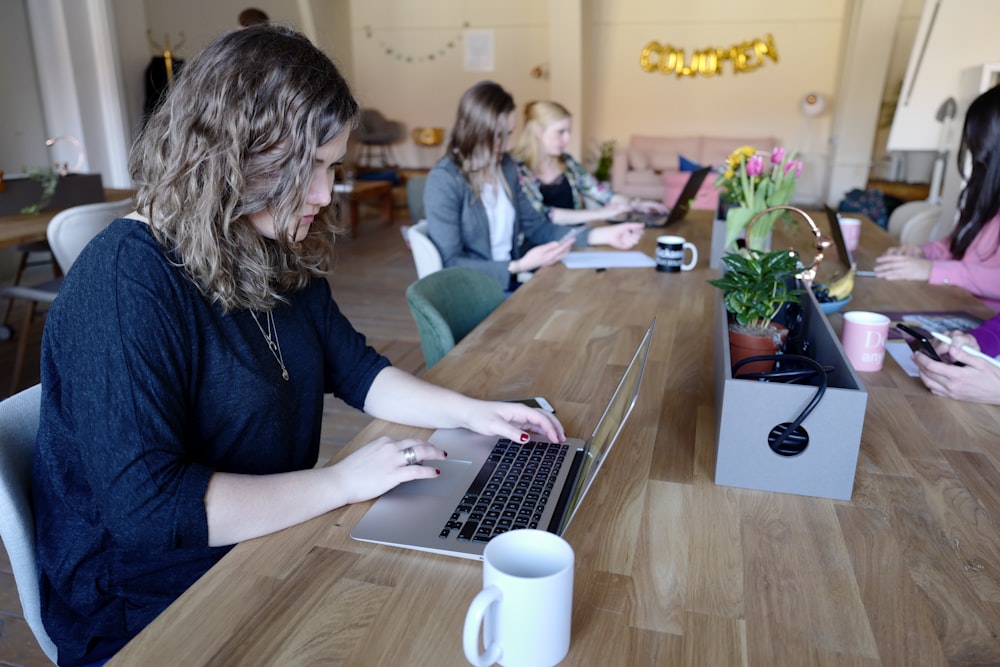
(556, 184)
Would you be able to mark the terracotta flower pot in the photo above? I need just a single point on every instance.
(743, 344)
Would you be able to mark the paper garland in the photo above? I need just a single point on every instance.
(400, 56)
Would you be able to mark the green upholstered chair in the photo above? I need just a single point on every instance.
(448, 304)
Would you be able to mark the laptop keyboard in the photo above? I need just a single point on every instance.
(510, 491)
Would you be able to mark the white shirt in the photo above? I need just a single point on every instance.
(500, 213)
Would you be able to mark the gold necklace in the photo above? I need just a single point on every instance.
(271, 337)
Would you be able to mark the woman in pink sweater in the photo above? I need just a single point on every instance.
(970, 256)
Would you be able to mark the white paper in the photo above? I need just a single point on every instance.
(903, 355)
(478, 50)
(609, 259)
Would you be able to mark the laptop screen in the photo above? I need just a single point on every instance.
(610, 424)
(690, 191)
(838, 237)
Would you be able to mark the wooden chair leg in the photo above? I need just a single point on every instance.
(22, 262)
(22, 348)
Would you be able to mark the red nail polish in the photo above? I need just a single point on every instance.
(524, 437)
(437, 471)
(446, 454)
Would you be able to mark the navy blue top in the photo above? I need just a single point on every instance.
(147, 389)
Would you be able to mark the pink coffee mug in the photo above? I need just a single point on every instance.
(863, 338)
(851, 229)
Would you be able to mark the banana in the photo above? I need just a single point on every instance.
(841, 287)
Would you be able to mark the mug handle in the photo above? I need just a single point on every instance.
(473, 621)
(694, 257)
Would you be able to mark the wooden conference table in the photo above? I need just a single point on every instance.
(670, 568)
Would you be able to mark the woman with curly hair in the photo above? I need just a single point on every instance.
(185, 361)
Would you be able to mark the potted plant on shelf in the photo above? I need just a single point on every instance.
(756, 285)
(746, 187)
(606, 156)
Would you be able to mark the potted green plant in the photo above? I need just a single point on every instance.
(756, 285)
(605, 159)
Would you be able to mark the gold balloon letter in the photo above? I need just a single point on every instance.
(745, 57)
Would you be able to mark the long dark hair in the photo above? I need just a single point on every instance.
(237, 135)
(477, 129)
(980, 199)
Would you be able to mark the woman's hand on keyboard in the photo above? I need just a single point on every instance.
(514, 420)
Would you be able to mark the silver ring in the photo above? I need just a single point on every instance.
(411, 456)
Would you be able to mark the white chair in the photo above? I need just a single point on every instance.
(919, 228)
(68, 233)
(425, 253)
(18, 427)
(902, 214)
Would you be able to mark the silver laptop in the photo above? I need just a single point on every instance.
(488, 486)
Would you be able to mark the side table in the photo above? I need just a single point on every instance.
(379, 192)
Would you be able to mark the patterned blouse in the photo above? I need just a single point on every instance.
(582, 183)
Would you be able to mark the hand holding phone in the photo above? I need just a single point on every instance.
(573, 233)
(965, 348)
(919, 341)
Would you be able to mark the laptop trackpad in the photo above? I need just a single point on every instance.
(449, 483)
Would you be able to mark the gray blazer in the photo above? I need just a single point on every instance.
(458, 226)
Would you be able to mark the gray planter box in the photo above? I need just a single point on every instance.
(747, 411)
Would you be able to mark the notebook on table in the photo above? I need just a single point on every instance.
(677, 211)
(488, 485)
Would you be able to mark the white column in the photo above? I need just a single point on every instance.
(864, 65)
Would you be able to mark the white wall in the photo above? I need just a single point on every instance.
(407, 86)
(617, 98)
(961, 38)
(22, 132)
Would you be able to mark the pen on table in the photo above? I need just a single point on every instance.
(965, 348)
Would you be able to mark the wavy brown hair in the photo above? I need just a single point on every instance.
(472, 145)
(237, 134)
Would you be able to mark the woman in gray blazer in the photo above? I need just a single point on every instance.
(477, 214)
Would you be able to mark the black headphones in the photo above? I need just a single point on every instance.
(789, 438)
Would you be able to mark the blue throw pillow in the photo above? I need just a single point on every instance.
(688, 165)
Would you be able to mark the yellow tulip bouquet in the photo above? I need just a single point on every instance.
(750, 187)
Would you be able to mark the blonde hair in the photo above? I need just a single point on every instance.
(538, 115)
(236, 135)
(472, 145)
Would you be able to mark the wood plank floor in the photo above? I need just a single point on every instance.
(369, 283)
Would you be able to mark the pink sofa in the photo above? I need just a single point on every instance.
(650, 166)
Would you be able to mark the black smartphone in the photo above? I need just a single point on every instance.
(919, 341)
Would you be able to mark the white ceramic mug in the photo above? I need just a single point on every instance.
(670, 254)
(526, 604)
